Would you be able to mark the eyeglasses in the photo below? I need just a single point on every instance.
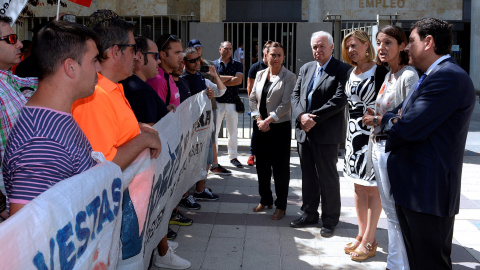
(134, 46)
(192, 61)
(173, 37)
(157, 55)
(10, 39)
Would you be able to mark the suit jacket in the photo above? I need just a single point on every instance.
(278, 97)
(328, 102)
(427, 144)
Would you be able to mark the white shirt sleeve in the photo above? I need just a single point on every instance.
(217, 92)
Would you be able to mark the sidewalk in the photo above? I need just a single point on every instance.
(227, 234)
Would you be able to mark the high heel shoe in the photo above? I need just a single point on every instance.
(260, 207)
(350, 247)
(362, 256)
(279, 214)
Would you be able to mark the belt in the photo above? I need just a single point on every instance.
(380, 138)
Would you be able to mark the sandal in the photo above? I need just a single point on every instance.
(362, 256)
(350, 247)
(279, 214)
(260, 207)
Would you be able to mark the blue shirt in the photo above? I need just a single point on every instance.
(231, 69)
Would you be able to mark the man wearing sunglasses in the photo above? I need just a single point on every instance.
(11, 96)
(149, 108)
(231, 73)
(170, 49)
(198, 84)
(106, 117)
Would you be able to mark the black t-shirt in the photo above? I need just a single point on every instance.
(252, 72)
(263, 101)
(147, 106)
(183, 89)
(196, 82)
(28, 68)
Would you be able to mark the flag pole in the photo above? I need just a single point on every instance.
(58, 8)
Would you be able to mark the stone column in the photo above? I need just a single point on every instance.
(315, 11)
(474, 41)
(213, 10)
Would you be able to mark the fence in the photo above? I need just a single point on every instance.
(151, 27)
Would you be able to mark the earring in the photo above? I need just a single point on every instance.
(366, 53)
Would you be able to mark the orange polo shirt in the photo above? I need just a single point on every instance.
(106, 117)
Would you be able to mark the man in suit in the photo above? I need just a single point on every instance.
(318, 103)
(426, 137)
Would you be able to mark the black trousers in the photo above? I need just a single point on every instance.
(320, 180)
(272, 150)
(428, 239)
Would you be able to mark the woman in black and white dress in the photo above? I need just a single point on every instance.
(363, 83)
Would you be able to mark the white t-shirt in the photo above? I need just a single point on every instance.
(238, 55)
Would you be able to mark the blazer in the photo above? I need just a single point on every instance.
(427, 143)
(278, 96)
(328, 103)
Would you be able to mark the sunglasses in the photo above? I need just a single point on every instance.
(134, 46)
(10, 39)
(157, 55)
(166, 41)
(192, 61)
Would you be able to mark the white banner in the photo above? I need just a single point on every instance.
(12, 8)
(93, 221)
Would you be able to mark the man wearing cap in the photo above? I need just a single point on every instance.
(215, 168)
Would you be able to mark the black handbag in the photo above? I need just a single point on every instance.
(239, 106)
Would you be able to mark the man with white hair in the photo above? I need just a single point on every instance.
(318, 103)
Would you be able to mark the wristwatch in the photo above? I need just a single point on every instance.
(375, 121)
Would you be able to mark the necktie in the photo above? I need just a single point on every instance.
(409, 96)
(316, 82)
(420, 81)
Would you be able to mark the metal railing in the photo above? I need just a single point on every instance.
(151, 27)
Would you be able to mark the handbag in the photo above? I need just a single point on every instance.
(239, 106)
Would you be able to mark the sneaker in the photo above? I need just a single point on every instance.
(220, 170)
(171, 234)
(189, 203)
(251, 160)
(236, 163)
(172, 244)
(178, 219)
(205, 195)
(171, 261)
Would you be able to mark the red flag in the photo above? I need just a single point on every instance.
(85, 3)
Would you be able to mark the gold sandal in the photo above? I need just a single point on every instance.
(350, 247)
(361, 256)
(279, 214)
(260, 207)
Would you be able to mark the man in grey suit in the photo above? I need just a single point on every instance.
(318, 103)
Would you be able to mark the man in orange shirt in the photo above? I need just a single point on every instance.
(106, 117)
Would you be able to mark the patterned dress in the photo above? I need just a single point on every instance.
(361, 94)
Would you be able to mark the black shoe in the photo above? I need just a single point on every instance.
(327, 231)
(303, 221)
(178, 218)
(171, 234)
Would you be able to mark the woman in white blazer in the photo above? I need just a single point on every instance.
(271, 110)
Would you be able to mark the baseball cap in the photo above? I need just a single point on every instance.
(194, 43)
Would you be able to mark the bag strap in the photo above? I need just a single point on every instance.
(167, 78)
